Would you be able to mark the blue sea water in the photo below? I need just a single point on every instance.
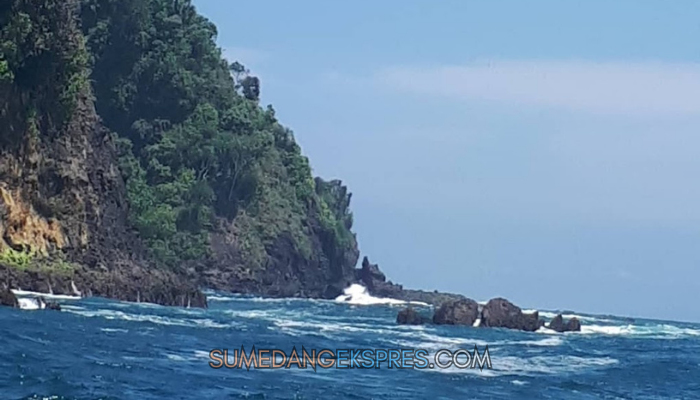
(103, 349)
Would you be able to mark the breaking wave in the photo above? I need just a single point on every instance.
(26, 293)
(357, 294)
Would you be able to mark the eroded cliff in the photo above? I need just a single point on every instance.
(63, 206)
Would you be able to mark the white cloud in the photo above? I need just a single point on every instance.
(637, 88)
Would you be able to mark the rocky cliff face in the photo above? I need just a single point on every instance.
(63, 211)
(286, 270)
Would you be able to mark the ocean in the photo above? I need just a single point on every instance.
(103, 349)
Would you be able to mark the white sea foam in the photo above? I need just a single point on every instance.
(547, 331)
(112, 330)
(608, 330)
(28, 304)
(175, 357)
(155, 319)
(299, 327)
(550, 341)
(533, 366)
(550, 315)
(26, 293)
(358, 295)
(659, 331)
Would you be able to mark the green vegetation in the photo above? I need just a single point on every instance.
(43, 61)
(195, 146)
(17, 259)
(31, 261)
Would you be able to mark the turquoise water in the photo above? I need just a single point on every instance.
(101, 349)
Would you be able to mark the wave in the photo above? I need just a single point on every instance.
(26, 293)
(154, 319)
(113, 330)
(659, 331)
(533, 366)
(358, 295)
(584, 318)
(28, 304)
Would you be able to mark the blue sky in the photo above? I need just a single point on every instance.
(545, 151)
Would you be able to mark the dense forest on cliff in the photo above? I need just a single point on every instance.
(194, 142)
(208, 171)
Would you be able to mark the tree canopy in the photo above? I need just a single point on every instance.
(195, 146)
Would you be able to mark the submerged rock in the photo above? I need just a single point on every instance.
(557, 324)
(409, 316)
(457, 312)
(501, 313)
(51, 305)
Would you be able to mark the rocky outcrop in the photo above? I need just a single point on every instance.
(457, 312)
(50, 305)
(409, 316)
(573, 325)
(501, 313)
(497, 313)
(557, 324)
(7, 298)
(321, 271)
(137, 285)
(371, 277)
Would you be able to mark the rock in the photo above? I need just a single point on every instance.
(53, 306)
(574, 325)
(501, 313)
(371, 277)
(371, 272)
(409, 316)
(7, 298)
(557, 324)
(457, 312)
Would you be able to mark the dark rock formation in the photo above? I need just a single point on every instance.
(574, 325)
(557, 324)
(371, 277)
(51, 305)
(322, 272)
(7, 298)
(409, 316)
(501, 313)
(153, 286)
(457, 312)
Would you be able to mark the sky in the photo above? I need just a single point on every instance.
(543, 151)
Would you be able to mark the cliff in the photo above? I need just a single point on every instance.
(137, 163)
(63, 207)
(215, 183)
